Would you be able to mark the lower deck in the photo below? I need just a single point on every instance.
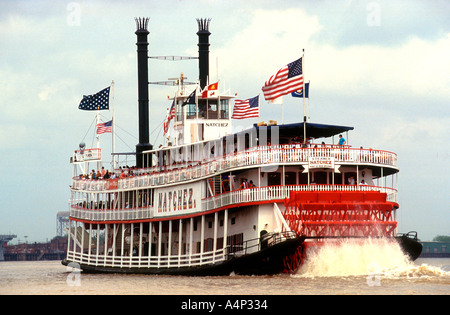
(175, 243)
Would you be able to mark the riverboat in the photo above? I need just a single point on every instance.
(214, 202)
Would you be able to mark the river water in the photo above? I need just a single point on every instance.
(332, 271)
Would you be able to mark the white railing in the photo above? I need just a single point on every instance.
(175, 261)
(178, 260)
(236, 198)
(262, 155)
(111, 215)
(258, 194)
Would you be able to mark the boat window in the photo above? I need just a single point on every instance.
(211, 110)
(191, 111)
(179, 110)
(195, 224)
(208, 245)
(224, 109)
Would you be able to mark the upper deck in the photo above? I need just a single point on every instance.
(260, 146)
(259, 156)
(264, 157)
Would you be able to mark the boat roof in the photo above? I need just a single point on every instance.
(285, 131)
(313, 130)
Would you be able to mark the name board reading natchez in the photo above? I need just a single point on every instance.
(321, 162)
(176, 200)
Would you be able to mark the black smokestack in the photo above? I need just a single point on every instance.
(142, 63)
(203, 50)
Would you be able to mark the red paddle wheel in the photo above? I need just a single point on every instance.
(322, 215)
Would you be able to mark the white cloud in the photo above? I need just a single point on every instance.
(418, 67)
(270, 40)
(407, 134)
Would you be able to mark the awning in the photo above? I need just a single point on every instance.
(312, 130)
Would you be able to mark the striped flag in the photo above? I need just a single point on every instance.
(170, 115)
(104, 127)
(288, 79)
(172, 111)
(246, 108)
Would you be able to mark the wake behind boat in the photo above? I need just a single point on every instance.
(212, 202)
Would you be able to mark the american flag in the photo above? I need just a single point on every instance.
(246, 108)
(170, 115)
(104, 127)
(172, 111)
(97, 101)
(288, 79)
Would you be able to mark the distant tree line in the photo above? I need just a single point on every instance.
(442, 238)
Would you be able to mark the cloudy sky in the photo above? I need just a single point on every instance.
(379, 66)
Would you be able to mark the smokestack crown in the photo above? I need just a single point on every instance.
(203, 26)
(141, 25)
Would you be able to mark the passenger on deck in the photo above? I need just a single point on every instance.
(342, 140)
(244, 184)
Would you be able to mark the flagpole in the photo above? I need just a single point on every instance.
(165, 126)
(196, 101)
(196, 109)
(98, 136)
(218, 103)
(309, 112)
(113, 127)
(207, 97)
(176, 117)
(259, 108)
(304, 112)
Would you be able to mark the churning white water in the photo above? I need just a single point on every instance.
(355, 257)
